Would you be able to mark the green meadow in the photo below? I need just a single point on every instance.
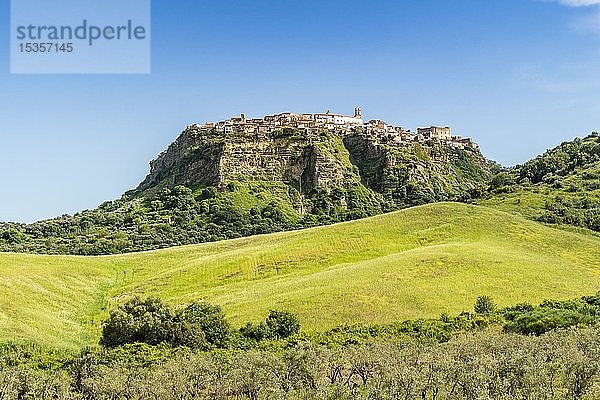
(415, 263)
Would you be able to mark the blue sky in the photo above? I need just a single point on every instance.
(519, 76)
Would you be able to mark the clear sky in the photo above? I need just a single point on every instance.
(519, 76)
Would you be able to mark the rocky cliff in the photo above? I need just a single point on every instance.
(210, 186)
(404, 173)
(200, 158)
(417, 172)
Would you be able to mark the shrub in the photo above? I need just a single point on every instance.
(256, 332)
(278, 325)
(12, 236)
(144, 321)
(282, 324)
(542, 320)
(510, 313)
(150, 321)
(210, 319)
(484, 305)
(501, 182)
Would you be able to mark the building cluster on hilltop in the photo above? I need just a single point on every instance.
(315, 123)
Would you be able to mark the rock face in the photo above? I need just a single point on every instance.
(437, 171)
(212, 186)
(404, 173)
(199, 158)
(190, 160)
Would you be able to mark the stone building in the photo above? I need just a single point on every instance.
(435, 132)
(339, 123)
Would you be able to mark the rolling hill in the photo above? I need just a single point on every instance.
(414, 263)
(561, 186)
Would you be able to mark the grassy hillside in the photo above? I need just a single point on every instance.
(561, 186)
(573, 199)
(418, 262)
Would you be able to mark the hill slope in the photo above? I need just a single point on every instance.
(560, 186)
(210, 186)
(419, 262)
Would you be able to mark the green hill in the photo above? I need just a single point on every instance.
(209, 186)
(414, 263)
(561, 186)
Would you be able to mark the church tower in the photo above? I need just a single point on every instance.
(357, 112)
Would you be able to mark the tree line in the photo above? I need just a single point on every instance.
(149, 349)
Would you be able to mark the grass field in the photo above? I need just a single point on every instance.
(419, 262)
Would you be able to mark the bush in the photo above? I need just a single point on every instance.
(138, 321)
(210, 319)
(282, 324)
(152, 322)
(484, 305)
(542, 320)
(278, 325)
(502, 182)
(510, 313)
(255, 332)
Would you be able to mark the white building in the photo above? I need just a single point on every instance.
(339, 119)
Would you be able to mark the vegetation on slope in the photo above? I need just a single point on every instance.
(561, 186)
(463, 357)
(556, 366)
(165, 215)
(203, 326)
(416, 173)
(381, 269)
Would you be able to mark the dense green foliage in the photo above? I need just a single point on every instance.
(558, 365)
(203, 326)
(551, 314)
(199, 325)
(430, 359)
(180, 216)
(562, 160)
(278, 325)
(484, 305)
(208, 318)
(172, 217)
(562, 186)
(522, 318)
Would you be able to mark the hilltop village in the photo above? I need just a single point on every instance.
(343, 124)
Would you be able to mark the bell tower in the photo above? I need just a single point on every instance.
(357, 112)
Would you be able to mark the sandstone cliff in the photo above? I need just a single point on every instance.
(403, 173)
(201, 158)
(211, 186)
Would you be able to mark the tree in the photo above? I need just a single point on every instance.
(484, 305)
(138, 321)
(210, 319)
(278, 325)
(199, 325)
(12, 236)
(255, 332)
(282, 324)
(501, 182)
